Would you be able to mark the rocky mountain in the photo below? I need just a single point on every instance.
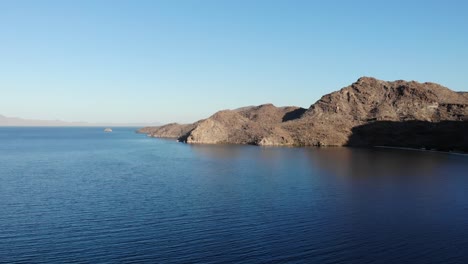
(331, 119)
(368, 112)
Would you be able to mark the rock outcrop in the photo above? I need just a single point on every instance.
(340, 118)
(172, 130)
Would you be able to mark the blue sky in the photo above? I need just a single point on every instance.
(144, 61)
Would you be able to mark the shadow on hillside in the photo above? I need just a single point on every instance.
(295, 114)
(444, 136)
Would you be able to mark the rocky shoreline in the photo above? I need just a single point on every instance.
(369, 112)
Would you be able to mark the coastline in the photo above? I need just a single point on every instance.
(424, 150)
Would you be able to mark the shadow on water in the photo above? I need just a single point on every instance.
(446, 135)
(339, 161)
(362, 163)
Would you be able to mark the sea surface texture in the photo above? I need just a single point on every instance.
(79, 195)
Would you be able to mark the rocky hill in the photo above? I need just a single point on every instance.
(246, 126)
(172, 130)
(358, 115)
(331, 119)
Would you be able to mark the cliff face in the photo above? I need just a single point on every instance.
(333, 120)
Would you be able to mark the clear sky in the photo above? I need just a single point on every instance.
(144, 61)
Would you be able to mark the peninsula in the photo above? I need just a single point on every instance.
(369, 112)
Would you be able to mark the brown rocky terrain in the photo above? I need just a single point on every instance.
(349, 116)
(331, 119)
(248, 125)
(172, 130)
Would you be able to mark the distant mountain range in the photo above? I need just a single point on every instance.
(15, 121)
(369, 112)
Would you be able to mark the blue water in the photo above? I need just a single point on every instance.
(78, 195)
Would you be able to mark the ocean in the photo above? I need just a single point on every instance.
(79, 195)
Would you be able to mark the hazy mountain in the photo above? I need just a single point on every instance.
(15, 121)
